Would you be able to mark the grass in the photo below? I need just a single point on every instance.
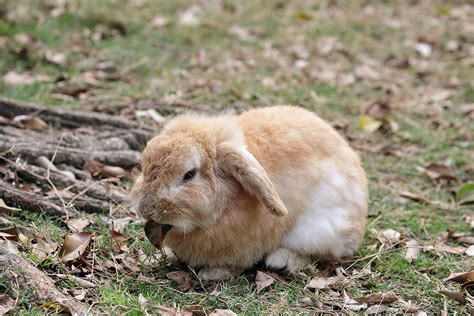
(211, 69)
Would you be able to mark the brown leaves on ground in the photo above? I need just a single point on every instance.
(466, 279)
(263, 280)
(6, 304)
(182, 279)
(378, 298)
(75, 245)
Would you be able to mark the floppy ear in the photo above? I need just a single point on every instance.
(242, 165)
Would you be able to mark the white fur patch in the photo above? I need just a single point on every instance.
(318, 230)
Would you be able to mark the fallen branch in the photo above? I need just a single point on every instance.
(29, 201)
(67, 118)
(95, 190)
(28, 278)
(74, 156)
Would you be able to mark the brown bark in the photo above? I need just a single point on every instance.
(21, 272)
(67, 118)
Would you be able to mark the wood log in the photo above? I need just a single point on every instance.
(30, 201)
(66, 118)
(20, 272)
(74, 156)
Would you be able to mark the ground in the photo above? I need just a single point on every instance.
(395, 78)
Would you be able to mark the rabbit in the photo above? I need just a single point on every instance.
(276, 184)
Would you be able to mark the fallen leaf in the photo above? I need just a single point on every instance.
(182, 279)
(413, 250)
(43, 249)
(409, 307)
(120, 240)
(376, 309)
(156, 233)
(366, 72)
(30, 121)
(368, 124)
(389, 235)
(415, 197)
(465, 194)
(152, 113)
(466, 279)
(439, 171)
(158, 21)
(442, 248)
(15, 78)
(322, 283)
(93, 167)
(56, 58)
(242, 34)
(190, 16)
(303, 16)
(75, 245)
(470, 251)
(263, 280)
(379, 109)
(352, 304)
(77, 225)
(222, 312)
(378, 298)
(424, 49)
(454, 295)
(6, 304)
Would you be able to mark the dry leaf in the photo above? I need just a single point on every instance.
(424, 49)
(470, 251)
(158, 21)
(120, 240)
(75, 245)
(376, 309)
(389, 236)
(30, 121)
(441, 248)
(15, 78)
(378, 298)
(351, 304)
(59, 59)
(222, 312)
(366, 72)
(368, 124)
(77, 225)
(322, 283)
(263, 280)
(455, 295)
(182, 279)
(43, 249)
(55, 307)
(415, 197)
(439, 171)
(466, 279)
(413, 250)
(409, 307)
(156, 233)
(6, 304)
(190, 17)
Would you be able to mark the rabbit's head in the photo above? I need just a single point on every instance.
(193, 170)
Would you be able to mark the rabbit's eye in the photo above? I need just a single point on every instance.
(189, 175)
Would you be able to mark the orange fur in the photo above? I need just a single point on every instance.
(225, 217)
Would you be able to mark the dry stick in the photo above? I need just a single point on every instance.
(27, 200)
(38, 173)
(73, 156)
(30, 278)
(10, 108)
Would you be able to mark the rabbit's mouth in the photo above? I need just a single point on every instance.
(156, 232)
